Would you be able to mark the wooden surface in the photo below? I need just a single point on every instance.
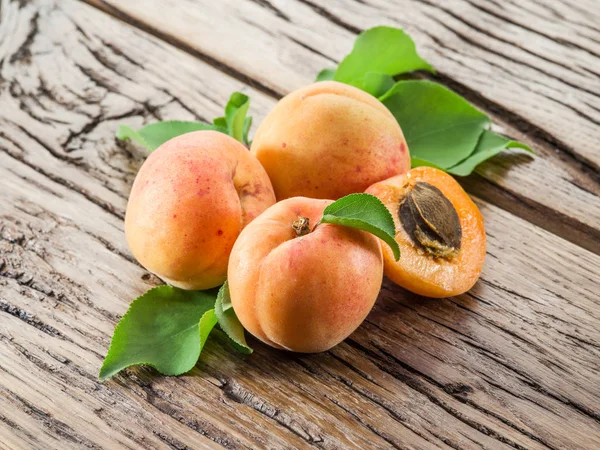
(512, 364)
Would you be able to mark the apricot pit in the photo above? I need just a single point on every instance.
(431, 221)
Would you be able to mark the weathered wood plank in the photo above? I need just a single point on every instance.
(415, 371)
(510, 366)
(69, 288)
(486, 46)
(505, 71)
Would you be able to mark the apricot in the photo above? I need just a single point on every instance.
(298, 289)
(328, 140)
(439, 230)
(189, 202)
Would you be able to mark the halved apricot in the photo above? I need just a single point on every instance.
(439, 230)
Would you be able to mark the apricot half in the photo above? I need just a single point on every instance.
(189, 202)
(439, 230)
(328, 140)
(298, 289)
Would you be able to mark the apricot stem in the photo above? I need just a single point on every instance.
(301, 226)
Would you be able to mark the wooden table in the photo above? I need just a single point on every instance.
(512, 364)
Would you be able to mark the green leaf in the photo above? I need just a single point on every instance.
(375, 83)
(386, 50)
(416, 162)
(220, 122)
(234, 123)
(439, 125)
(326, 75)
(235, 115)
(207, 323)
(490, 144)
(365, 212)
(161, 329)
(126, 132)
(225, 298)
(229, 322)
(154, 135)
(247, 125)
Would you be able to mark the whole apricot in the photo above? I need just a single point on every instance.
(439, 230)
(328, 140)
(298, 289)
(189, 202)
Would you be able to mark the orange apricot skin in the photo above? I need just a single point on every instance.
(189, 202)
(328, 140)
(303, 294)
(416, 271)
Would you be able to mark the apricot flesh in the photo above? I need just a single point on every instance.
(328, 140)
(417, 270)
(303, 293)
(189, 202)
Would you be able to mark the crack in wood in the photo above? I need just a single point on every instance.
(23, 53)
(509, 19)
(49, 422)
(486, 32)
(170, 441)
(199, 426)
(420, 387)
(365, 393)
(30, 320)
(565, 226)
(526, 378)
(367, 425)
(174, 41)
(239, 394)
(15, 427)
(323, 12)
(311, 49)
(269, 6)
(65, 183)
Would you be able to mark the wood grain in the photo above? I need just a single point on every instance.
(499, 59)
(513, 364)
(272, 46)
